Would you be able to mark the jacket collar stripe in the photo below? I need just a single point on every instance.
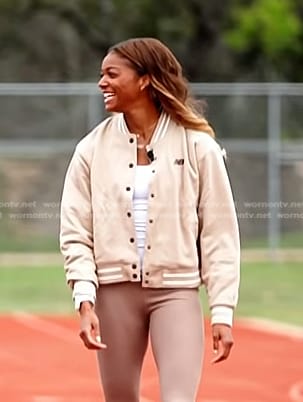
(161, 127)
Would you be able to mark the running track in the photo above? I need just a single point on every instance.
(42, 360)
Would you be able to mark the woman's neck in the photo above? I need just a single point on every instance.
(142, 122)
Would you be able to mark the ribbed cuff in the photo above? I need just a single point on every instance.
(83, 291)
(222, 315)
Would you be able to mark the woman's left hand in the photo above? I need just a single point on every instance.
(222, 342)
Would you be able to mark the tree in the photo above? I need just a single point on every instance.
(56, 40)
(267, 37)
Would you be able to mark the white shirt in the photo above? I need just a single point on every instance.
(140, 204)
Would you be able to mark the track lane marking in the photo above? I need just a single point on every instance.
(45, 326)
(296, 392)
(271, 327)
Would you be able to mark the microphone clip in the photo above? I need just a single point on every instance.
(150, 153)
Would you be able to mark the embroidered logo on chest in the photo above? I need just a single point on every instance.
(179, 162)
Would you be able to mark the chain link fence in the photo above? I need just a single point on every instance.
(260, 126)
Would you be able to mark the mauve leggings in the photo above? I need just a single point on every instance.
(128, 315)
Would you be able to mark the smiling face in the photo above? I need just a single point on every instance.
(120, 83)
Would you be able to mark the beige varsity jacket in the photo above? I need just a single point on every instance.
(192, 232)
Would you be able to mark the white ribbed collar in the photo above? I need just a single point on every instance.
(159, 132)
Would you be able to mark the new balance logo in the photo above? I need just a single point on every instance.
(179, 162)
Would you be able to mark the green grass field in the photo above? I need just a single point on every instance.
(287, 240)
(272, 291)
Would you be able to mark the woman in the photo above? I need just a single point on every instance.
(147, 215)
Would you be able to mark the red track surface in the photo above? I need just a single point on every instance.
(42, 360)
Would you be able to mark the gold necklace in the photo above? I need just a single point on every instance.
(140, 146)
(143, 146)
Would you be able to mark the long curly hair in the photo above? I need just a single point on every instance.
(168, 87)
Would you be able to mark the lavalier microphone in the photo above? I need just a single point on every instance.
(150, 153)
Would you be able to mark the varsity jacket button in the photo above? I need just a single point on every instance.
(129, 214)
(131, 140)
(146, 281)
(150, 221)
(135, 276)
(134, 266)
(131, 165)
(128, 188)
(146, 273)
(152, 195)
(148, 247)
(132, 240)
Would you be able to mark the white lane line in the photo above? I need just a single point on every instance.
(44, 398)
(296, 392)
(14, 358)
(272, 327)
(257, 324)
(46, 327)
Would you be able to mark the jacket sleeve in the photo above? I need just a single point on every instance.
(76, 228)
(219, 233)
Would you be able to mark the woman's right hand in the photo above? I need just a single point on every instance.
(89, 327)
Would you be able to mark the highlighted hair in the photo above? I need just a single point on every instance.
(168, 87)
